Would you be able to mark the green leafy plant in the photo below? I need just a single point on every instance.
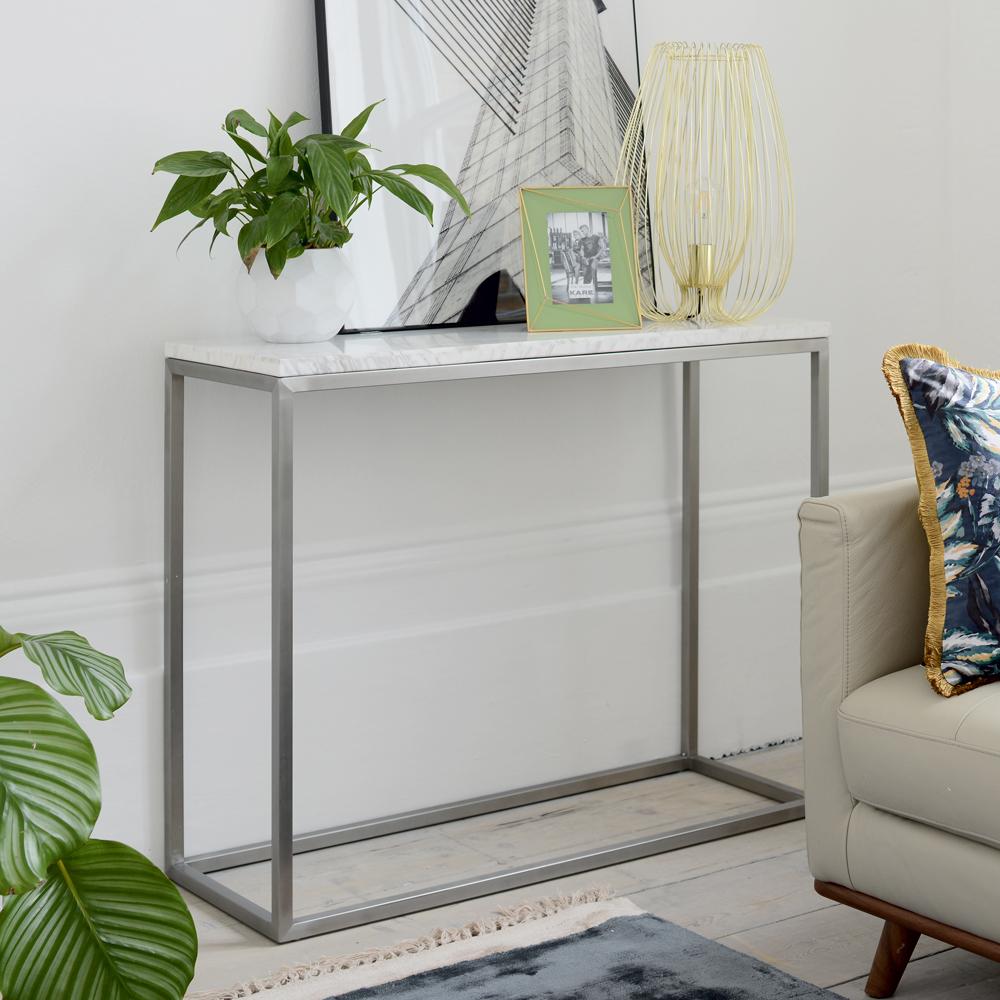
(81, 918)
(291, 195)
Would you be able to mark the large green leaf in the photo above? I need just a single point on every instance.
(256, 182)
(107, 925)
(293, 119)
(353, 128)
(405, 192)
(332, 173)
(186, 192)
(284, 215)
(278, 139)
(292, 182)
(50, 792)
(277, 169)
(437, 177)
(193, 163)
(70, 665)
(247, 146)
(278, 254)
(251, 237)
(346, 143)
(244, 120)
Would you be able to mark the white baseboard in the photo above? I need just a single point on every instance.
(524, 652)
(108, 595)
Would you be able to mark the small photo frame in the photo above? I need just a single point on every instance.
(580, 259)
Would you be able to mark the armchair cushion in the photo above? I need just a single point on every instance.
(952, 418)
(907, 752)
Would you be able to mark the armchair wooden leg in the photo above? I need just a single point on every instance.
(894, 950)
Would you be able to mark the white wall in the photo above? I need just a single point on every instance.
(488, 587)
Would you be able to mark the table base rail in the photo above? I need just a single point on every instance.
(195, 873)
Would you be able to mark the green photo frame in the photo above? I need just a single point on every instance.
(580, 259)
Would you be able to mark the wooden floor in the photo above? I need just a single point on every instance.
(752, 892)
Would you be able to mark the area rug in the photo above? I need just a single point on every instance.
(573, 948)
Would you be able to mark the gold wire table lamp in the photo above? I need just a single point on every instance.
(706, 160)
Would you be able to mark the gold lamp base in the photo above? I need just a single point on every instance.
(701, 293)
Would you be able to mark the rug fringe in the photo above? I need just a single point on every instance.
(503, 918)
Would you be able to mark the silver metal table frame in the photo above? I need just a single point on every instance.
(280, 923)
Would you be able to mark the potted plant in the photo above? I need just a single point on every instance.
(295, 200)
(82, 918)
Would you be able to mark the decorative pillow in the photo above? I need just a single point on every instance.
(952, 417)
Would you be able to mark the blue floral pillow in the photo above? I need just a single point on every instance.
(952, 417)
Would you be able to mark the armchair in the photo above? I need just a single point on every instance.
(901, 784)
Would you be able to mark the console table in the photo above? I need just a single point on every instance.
(357, 361)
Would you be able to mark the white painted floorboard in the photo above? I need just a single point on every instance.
(752, 892)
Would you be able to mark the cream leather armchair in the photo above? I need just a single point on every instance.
(902, 785)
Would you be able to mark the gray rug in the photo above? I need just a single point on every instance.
(625, 958)
(580, 947)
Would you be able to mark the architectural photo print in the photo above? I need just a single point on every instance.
(501, 94)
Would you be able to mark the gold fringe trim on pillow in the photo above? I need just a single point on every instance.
(928, 504)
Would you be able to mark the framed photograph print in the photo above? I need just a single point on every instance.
(580, 259)
(500, 94)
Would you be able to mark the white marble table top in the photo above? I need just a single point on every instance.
(467, 345)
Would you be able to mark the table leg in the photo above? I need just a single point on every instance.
(819, 423)
(690, 489)
(282, 412)
(173, 621)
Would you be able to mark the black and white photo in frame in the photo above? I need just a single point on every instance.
(580, 258)
(501, 94)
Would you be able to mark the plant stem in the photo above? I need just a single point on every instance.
(359, 203)
(310, 216)
(8, 642)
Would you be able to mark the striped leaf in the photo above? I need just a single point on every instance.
(50, 792)
(70, 665)
(106, 925)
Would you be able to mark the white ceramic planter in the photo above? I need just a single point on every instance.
(307, 304)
